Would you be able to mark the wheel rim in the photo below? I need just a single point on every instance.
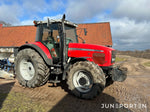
(82, 81)
(27, 70)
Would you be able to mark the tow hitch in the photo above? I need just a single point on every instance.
(119, 73)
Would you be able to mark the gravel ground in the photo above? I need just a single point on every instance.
(132, 95)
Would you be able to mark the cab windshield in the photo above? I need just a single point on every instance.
(44, 33)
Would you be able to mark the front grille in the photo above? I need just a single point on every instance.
(99, 58)
(113, 56)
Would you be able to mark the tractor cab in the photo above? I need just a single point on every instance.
(51, 34)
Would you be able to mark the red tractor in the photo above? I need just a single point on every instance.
(57, 56)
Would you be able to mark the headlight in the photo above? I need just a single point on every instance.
(113, 60)
(113, 56)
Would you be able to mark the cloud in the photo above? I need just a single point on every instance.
(26, 22)
(133, 9)
(39, 8)
(10, 13)
(56, 5)
(128, 34)
(59, 16)
(30, 22)
(81, 10)
(34, 6)
(21, 12)
(15, 12)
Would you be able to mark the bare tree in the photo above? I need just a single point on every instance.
(4, 23)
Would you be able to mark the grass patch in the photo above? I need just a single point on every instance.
(119, 59)
(147, 64)
(18, 102)
(2, 97)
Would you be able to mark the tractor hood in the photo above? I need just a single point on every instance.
(90, 52)
(88, 47)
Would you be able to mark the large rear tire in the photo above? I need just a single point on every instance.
(85, 80)
(31, 70)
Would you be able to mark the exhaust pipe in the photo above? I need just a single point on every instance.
(64, 40)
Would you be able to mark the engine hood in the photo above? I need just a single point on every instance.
(98, 54)
(90, 47)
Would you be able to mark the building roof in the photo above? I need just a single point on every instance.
(97, 33)
(16, 36)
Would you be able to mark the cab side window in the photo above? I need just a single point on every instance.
(49, 38)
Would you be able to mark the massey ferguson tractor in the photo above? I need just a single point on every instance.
(57, 56)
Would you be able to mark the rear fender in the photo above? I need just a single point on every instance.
(41, 49)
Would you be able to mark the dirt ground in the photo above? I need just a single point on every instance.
(132, 95)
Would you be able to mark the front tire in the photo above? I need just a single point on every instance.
(85, 80)
(31, 70)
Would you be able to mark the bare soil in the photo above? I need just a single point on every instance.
(133, 94)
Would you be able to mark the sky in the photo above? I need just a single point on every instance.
(129, 19)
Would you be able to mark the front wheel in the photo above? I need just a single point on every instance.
(85, 80)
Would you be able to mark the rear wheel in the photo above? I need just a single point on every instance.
(31, 70)
(85, 80)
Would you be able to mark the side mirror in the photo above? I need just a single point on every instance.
(83, 41)
(85, 31)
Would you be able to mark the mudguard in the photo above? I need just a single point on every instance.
(41, 49)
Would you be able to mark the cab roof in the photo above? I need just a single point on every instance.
(56, 21)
